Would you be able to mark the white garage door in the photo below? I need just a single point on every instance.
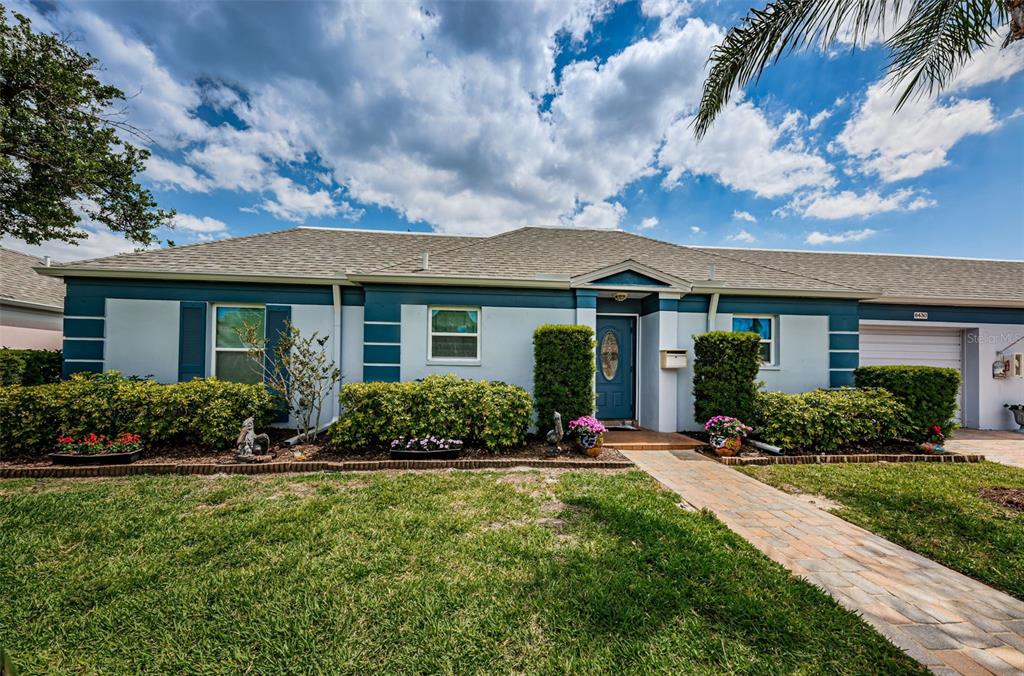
(918, 346)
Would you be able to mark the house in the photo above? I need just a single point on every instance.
(31, 305)
(399, 306)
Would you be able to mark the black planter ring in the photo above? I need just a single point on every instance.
(95, 458)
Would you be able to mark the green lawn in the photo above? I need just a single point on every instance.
(932, 509)
(439, 572)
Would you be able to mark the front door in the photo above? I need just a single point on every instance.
(616, 366)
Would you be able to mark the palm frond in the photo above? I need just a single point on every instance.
(936, 40)
(782, 26)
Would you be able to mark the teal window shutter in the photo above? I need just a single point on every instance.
(278, 316)
(192, 341)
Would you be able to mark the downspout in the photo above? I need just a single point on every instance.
(713, 312)
(336, 297)
(335, 405)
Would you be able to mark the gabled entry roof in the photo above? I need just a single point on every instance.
(630, 273)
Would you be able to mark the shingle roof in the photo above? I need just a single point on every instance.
(532, 253)
(23, 284)
(538, 254)
(296, 252)
(901, 276)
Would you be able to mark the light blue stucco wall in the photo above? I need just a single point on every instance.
(506, 344)
(142, 338)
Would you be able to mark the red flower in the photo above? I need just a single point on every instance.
(65, 440)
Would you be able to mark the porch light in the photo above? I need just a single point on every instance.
(620, 296)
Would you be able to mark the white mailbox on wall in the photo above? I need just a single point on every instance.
(673, 359)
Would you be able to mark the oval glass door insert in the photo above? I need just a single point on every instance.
(609, 355)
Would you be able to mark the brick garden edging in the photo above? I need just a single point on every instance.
(843, 459)
(56, 472)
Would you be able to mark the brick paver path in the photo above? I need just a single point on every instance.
(943, 619)
(996, 445)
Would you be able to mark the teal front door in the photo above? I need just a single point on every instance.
(616, 367)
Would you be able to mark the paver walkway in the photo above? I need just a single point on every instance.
(943, 619)
(996, 445)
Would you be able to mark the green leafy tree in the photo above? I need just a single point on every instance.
(929, 42)
(61, 155)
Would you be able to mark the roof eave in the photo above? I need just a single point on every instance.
(57, 271)
(447, 280)
(796, 293)
(29, 305)
(955, 302)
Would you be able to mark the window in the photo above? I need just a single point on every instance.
(762, 326)
(231, 360)
(454, 334)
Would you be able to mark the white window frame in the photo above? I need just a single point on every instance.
(213, 332)
(772, 342)
(465, 361)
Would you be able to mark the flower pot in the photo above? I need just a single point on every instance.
(95, 458)
(726, 446)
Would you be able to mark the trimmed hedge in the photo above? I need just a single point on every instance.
(491, 415)
(929, 393)
(725, 367)
(825, 420)
(563, 372)
(205, 413)
(29, 367)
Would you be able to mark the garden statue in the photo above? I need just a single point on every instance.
(555, 436)
(248, 441)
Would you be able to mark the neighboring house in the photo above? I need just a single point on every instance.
(399, 306)
(31, 305)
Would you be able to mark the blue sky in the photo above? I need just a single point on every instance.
(480, 117)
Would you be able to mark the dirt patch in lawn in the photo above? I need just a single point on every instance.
(1004, 496)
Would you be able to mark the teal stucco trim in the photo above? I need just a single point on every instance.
(381, 373)
(840, 378)
(83, 328)
(629, 278)
(979, 315)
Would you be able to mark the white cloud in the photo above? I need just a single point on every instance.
(914, 140)
(98, 243)
(848, 204)
(816, 121)
(293, 202)
(744, 216)
(169, 175)
(600, 215)
(742, 236)
(695, 229)
(990, 65)
(817, 237)
(204, 224)
(744, 152)
(647, 223)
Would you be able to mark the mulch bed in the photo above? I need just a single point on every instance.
(894, 451)
(308, 458)
(1006, 496)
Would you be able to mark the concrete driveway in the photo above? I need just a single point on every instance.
(996, 445)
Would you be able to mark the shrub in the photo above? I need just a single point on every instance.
(563, 372)
(825, 420)
(490, 415)
(204, 413)
(29, 367)
(929, 393)
(725, 369)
